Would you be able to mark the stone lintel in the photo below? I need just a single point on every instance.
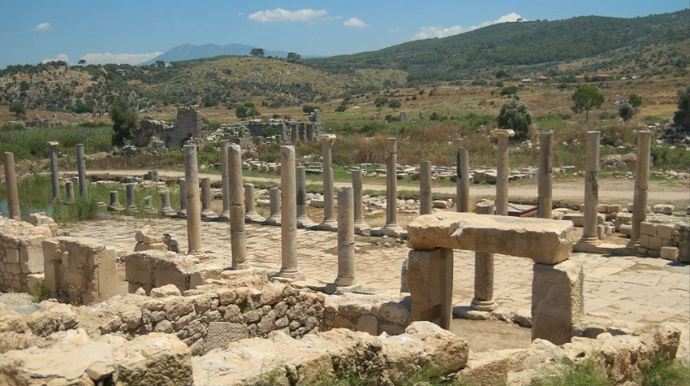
(542, 240)
(499, 132)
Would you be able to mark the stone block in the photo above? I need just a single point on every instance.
(220, 334)
(625, 229)
(576, 218)
(542, 240)
(647, 228)
(654, 243)
(31, 258)
(665, 231)
(615, 208)
(51, 250)
(430, 275)
(664, 209)
(12, 255)
(602, 208)
(644, 241)
(557, 300)
(51, 276)
(669, 253)
(368, 324)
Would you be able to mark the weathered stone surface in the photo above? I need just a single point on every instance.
(154, 359)
(220, 334)
(544, 241)
(430, 276)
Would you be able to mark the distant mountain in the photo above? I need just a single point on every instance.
(190, 51)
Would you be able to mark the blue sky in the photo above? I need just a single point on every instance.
(132, 31)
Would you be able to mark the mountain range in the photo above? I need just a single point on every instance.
(191, 51)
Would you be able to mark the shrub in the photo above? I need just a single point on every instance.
(516, 116)
(509, 90)
(340, 108)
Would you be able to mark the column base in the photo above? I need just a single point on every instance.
(305, 223)
(362, 228)
(115, 208)
(393, 230)
(484, 305)
(132, 209)
(344, 281)
(208, 215)
(167, 212)
(253, 218)
(182, 213)
(589, 240)
(288, 276)
(273, 220)
(241, 266)
(335, 289)
(328, 225)
(225, 216)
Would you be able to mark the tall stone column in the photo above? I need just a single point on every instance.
(274, 207)
(303, 220)
(589, 225)
(81, 169)
(484, 271)
(360, 226)
(238, 236)
(329, 221)
(346, 238)
(54, 174)
(391, 228)
(250, 215)
(644, 139)
(11, 187)
(288, 214)
(69, 192)
(182, 213)
(502, 171)
(131, 202)
(463, 181)
(424, 187)
(225, 179)
(206, 211)
(545, 199)
(166, 209)
(192, 202)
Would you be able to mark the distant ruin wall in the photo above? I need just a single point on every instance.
(21, 253)
(187, 126)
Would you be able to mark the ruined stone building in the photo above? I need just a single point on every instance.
(187, 126)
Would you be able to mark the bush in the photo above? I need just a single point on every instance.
(515, 116)
(509, 90)
(340, 108)
(381, 101)
(394, 104)
(626, 111)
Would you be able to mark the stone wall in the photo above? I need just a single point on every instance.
(151, 269)
(366, 313)
(21, 253)
(656, 236)
(187, 126)
(80, 271)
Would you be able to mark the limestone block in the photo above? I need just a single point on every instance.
(12, 255)
(430, 276)
(154, 359)
(544, 241)
(647, 228)
(665, 231)
(669, 253)
(614, 208)
(368, 324)
(557, 300)
(664, 209)
(644, 241)
(219, 334)
(625, 229)
(577, 218)
(602, 208)
(654, 243)
(165, 291)
(51, 250)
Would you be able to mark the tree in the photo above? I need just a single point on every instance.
(160, 64)
(381, 101)
(509, 90)
(626, 111)
(635, 100)
(587, 97)
(257, 52)
(124, 119)
(19, 110)
(308, 109)
(81, 62)
(340, 108)
(293, 56)
(681, 118)
(394, 104)
(515, 116)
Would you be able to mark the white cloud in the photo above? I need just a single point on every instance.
(279, 14)
(60, 57)
(439, 32)
(354, 22)
(107, 57)
(42, 27)
(394, 30)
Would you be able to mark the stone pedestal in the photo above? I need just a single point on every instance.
(206, 211)
(346, 238)
(391, 228)
(430, 277)
(484, 271)
(182, 213)
(81, 169)
(644, 139)
(463, 181)
(238, 236)
(54, 174)
(545, 199)
(192, 202)
(361, 227)
(131, 202)
(69, 192)
(425, 187)
(329, 222)
(274, 207)
(225, 180)
(589, 225)
(148, 204)
(11, 187)
(502, 171)
(303, 220)
(557, 300)
(250, 214)
(288, 218)
(166, 209)
(115, 202)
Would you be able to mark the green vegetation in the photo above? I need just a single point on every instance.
(626, 111)
(586, 98)
(515, 116)
(566, 373)
(125, 121)
(19, 110)
(32, 143)
(681, 118)
(666, 372)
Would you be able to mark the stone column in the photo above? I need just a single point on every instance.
(346, 238)
(225, 179)
(425, 187)
(274, 207)
(463, 181)
(430, 275)
(81, 169)
(502, 171)
(484, 271)
(288, 211)
(391, 228)
(360, 226)
(148, 204)
(182, 213)
(54, 174)
(329, 221)
(114, 204)
(69, 192)
(192, 202)
(644, 139)
(166, 209)
(238, 236)
(11, 187)
(131, 202)
(250, 215)
(206, 211)
(589, 225)
(303, 220)
(545, 200)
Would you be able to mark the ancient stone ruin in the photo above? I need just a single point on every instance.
(156, 133)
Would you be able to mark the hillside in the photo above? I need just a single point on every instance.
(518, 47)
(191, 51)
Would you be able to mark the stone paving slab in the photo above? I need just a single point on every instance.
(620, 287)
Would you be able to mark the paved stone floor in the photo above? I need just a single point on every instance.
(628, 288)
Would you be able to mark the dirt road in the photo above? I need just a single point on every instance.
(610, 190)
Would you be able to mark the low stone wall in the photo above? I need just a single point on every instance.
(21, 253)
(80, 271)
(656, 236)
(151, 269)
(366, 313)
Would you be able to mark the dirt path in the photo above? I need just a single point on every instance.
(610, 190)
